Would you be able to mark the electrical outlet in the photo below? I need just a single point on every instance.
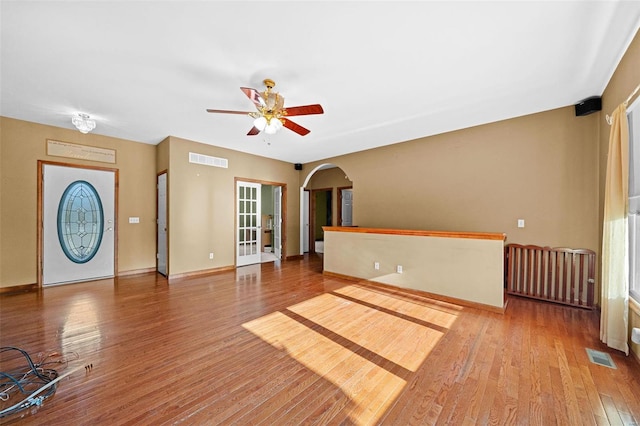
(376, 265)
(520, 223)
(399, 269)
(210, 255)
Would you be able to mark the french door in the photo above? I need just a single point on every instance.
(248, 219)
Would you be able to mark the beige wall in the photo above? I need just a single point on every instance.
(622, 83)
(202, 204)
(469, 269)
(22, 145)
(201, 199)
(540, 167)
(334, 177)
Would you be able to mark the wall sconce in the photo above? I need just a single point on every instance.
(83, 122)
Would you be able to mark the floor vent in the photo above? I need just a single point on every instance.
(600, 358)
(208, 160)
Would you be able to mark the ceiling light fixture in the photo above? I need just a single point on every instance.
(83, 122)
(271, 114)
(270, 125)
(270, 108)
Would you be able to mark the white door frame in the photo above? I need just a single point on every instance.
(304, 221)
(162, 240)
(40, 214)
(277, 222)
(283, 215)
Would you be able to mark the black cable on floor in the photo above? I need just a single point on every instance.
(33, 382)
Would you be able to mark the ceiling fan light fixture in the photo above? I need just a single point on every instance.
(270, 113)
(83, 122)
(260, 123)
(273, 126)
(269, 125)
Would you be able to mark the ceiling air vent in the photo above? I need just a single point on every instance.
(207, 160)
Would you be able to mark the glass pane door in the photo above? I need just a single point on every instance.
(248, 223)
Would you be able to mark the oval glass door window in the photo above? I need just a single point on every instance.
(80, 221)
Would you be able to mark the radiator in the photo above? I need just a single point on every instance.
(560, 275)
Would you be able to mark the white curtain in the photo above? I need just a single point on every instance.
(614, 300)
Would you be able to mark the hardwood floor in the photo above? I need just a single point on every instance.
(278, 344)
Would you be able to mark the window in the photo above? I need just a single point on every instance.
(634, 201)
(80, 222)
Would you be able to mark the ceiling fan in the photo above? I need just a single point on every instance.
(271, 115)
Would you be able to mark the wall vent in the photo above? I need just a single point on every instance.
(207, 160)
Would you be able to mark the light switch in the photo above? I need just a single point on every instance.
(134, 220)
(520, 223)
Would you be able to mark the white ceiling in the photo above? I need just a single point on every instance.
(384, 71)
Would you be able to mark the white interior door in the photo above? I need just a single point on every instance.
(162, 224)
(78, 212)
(277, 221)
(305, 222)
(248, 232)
(347, 207)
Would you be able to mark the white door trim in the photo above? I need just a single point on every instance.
(277, 222)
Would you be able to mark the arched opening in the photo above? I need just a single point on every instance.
(325, 200)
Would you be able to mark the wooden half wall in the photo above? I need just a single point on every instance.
(465, 267)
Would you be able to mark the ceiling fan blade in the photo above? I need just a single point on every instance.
(295, 127)
(254, 131)
(254, 95)
(305, 110)
(225, 111)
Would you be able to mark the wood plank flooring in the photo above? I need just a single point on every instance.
(281, 344)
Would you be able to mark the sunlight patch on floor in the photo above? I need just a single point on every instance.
(401, 341)
(368, 386)
(367, 353)
(438, 313)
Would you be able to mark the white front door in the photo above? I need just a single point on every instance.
(248, 230)
(347, 207)
(78, 224)
(162, 224)
(277, 221)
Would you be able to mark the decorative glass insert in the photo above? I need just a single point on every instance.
(80, 221)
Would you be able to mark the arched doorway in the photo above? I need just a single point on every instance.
(325, 200)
